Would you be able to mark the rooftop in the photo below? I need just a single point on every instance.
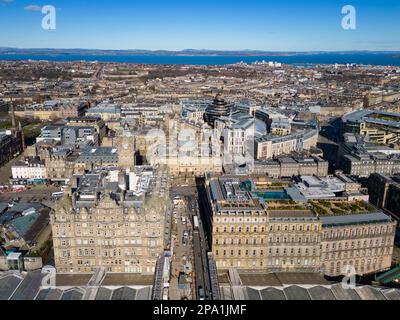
(375, 117)
(342, 208)
(74, 287)
(309, 292)
(355, 219)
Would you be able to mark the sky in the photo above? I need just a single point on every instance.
(270, 25)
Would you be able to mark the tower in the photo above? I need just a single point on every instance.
(21, 131)
(219, 108)
(12, 114)
(126, 149)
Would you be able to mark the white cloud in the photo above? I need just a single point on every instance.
(33, 7)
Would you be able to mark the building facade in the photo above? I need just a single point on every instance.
(268, 147)
(364, 165)
(10, 146)
(363, 242)
(250, 233)
(34, 169)
(289, 167)
(106, 229)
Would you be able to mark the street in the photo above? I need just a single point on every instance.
(181, 285)
(193, 248)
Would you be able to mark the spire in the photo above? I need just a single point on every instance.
(12, 113)
(22, 135)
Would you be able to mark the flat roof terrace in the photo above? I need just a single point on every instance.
(328, 208)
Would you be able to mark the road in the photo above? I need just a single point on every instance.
(198, 242)
(396, 255)
(183, 254)
(5, 170)
(99, 72)
(38, 193)
(200, 252)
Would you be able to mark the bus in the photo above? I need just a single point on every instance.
(201, 294)
(57, 195)
(195, 223)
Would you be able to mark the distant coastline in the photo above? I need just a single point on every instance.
(186, 52)
(203, 57)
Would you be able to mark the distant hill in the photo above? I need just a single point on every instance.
(186, 52)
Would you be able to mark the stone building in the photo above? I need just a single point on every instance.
(253, 231)
(126, 149)
(60, 164)
(98, 225)
(364, 165)
(384, 192)
(269, 146)
(364, 242)
(378, 189)
(10, 145)
(294, 241)
(95, 122)
(248, 236)
(73, 110)
(288, 167)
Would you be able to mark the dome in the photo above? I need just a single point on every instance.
(219, 108)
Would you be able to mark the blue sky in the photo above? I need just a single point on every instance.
(284, 25)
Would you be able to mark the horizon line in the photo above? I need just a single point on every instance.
(202, 50)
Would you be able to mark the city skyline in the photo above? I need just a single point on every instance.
(206, 151)
(176, 25)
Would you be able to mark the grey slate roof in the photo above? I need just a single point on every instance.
(314, 292)
(8, 285)
(27, 286)
(296, 293)
(49, 294)
(124, 293)
(355, 219)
